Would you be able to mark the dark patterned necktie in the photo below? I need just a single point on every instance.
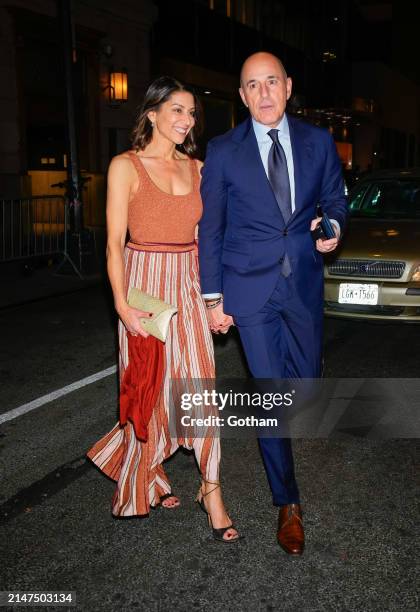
(279, 176)
(279, 181)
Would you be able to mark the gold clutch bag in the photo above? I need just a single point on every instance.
(157, 325)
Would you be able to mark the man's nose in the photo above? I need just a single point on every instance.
(264, 90)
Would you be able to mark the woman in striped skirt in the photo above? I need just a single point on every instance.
(153, 193)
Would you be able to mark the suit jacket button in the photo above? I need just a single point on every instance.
(285, 232)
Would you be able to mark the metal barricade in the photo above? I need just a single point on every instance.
(33, 227)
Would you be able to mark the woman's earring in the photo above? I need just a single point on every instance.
(152, 124)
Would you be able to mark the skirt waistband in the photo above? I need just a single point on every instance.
(162, 247)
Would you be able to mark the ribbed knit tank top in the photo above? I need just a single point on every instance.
(156, 217)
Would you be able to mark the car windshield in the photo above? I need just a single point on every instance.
(386, 199)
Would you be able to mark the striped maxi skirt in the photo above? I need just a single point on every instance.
(137, 466)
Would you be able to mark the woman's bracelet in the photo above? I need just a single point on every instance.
(213, 304)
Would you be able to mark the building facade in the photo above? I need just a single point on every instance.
(345, 59)
(108, 37)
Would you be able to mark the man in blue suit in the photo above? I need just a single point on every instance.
(260, 268)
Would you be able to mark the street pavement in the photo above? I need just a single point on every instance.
(57, 532)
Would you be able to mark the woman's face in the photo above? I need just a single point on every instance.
(175, 117)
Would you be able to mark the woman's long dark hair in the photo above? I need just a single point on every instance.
(159, 92)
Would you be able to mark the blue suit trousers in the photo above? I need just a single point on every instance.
(282, 340)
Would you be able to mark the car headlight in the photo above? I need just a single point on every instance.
(416, 274)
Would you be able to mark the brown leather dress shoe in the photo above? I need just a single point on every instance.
(290, 532)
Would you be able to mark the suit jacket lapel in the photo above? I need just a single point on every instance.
(253, 167)
(302, 152)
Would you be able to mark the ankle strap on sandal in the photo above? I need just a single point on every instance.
(203, 480)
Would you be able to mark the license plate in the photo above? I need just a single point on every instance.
(356, 293)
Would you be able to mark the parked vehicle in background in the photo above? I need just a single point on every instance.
(375, 274)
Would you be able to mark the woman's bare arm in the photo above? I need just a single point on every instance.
(120, 182)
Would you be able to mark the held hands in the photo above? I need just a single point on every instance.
(219, 322)
(324, 245)
(131, 320)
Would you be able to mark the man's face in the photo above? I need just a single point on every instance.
(265, 88)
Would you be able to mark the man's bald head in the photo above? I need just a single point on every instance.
(258, 57)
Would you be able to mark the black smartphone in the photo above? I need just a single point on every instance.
(324, 230)
(327, 227)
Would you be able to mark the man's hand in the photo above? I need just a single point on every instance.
(323, 245)
(219, 321)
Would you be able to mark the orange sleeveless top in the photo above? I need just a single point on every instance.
(159, 221)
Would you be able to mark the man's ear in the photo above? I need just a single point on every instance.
(288, 87)
(241, 93)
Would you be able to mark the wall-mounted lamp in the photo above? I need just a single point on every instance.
(117, 87)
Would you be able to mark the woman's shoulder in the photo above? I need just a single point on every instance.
(122, 158)
(122, 166)
(122, 161)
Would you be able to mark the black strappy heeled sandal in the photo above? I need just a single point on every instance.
(218, 532)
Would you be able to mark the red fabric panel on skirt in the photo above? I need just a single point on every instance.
(141, 383)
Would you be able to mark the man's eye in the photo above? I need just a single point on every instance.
(272, 81)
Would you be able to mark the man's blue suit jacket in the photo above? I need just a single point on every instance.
(242, 235)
